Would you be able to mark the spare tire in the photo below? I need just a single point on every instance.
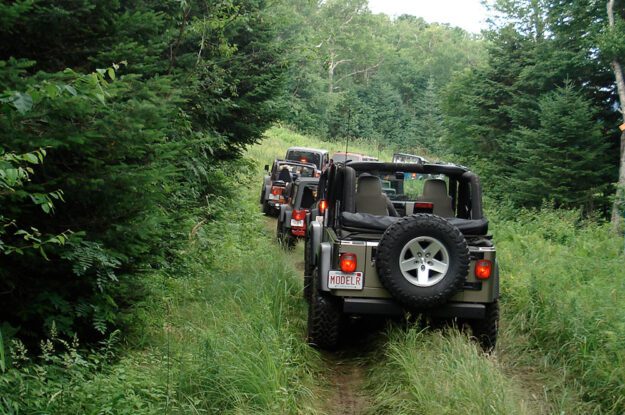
(422, 260)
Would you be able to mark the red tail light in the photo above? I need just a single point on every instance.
(323, 204)
(483, 269)
(348, 262)
(276, 190)
(424, 205)
(299, 215)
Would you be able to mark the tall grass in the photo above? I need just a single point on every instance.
(564, 294)
(222, 332)
(434, 373)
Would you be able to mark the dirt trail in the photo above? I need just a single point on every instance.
(347, 377)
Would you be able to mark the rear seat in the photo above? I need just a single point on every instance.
(435, 192)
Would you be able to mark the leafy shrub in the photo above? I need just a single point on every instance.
(134, 147)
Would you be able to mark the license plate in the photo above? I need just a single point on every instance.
(274, 197)
(345, 281)
(319, 219)
(298, 223)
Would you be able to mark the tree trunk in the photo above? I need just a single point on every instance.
(620, 87)
(331, 74)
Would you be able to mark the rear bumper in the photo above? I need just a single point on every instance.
(386, 307)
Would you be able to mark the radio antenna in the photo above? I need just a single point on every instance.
(349, 127)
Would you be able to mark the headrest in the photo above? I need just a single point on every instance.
(435, 188)
(368, 184)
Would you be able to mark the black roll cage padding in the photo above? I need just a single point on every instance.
(476, 194)
(453, 193)
(349, 184)
(451, 170)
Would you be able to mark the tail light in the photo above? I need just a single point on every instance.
(276, 190)
(483, 269)
(348, 262)
(323, 204)
(299, 215)
(424, 205)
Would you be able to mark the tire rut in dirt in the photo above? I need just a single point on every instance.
(348, 397)
(347, 369)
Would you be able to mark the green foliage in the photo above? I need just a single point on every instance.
(134, 148)
(217, 336)
(15, 172)
(561, 160)
(538, 116)
(365, 75)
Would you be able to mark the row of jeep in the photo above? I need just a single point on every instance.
(404, 238)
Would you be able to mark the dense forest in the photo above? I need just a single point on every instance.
(123, 128)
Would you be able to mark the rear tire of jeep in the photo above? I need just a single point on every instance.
(307, 264)
(324, 318)
(266, 209)
(307, 288)
(422, 260)
(485, 330)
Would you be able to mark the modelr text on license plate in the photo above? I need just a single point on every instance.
(345, 280)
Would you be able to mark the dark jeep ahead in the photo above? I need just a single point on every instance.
(283, 172)
(292, 219)
(423, 248)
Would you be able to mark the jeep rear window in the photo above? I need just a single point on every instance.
(304, 157)
(300, 171)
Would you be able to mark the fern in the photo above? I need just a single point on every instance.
(90, 258)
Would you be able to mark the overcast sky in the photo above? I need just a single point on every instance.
(468, 14)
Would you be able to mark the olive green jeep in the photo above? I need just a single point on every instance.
(422, 249)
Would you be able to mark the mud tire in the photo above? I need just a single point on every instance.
(325, 318)
(485, 330)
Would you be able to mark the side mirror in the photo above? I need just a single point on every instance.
(267, 167)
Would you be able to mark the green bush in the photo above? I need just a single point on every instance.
(136, 148)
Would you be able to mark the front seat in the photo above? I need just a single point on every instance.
(370, 199)
(307, 198)
(435, 191)
(284, 175)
